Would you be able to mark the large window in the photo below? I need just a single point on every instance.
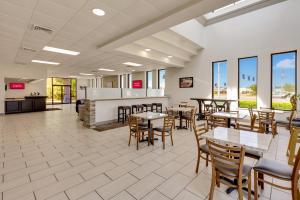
(149, 79)
(219, 79)
(161, 79)
(283, 79)
(248, 82)
(61, 90)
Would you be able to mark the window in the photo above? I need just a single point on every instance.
(283, 79)
(129, 80)
(219, 79)
(161, 79)
(61, 90)
(149, 79)
(248, 82)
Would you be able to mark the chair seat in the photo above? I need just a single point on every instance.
(161, 128)
(282, 122)
(274, 168)
(204, 148)
(141, 128)
(233, 172)
(143, 124)
(253, 154)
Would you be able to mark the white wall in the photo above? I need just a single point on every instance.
(259, 33)
(81, 92)
(29, 88)
(19, 71)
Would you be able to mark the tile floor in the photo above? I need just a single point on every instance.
(50, 155)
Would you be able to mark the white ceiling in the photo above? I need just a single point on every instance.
(76, 28)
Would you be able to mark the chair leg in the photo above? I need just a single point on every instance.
(240, 190)
(129, 139)
(207, 160)
(255, 185)
(218, 179)
(249, 186)
(149, 137)
(163, 139)
(198, 161)
(212, 186)
(262, 184)
(171, 136)
(137, 141)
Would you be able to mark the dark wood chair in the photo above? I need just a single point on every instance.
(278, 170)
(228, 163)
(199, 130)
(137, 109)
(123, 112)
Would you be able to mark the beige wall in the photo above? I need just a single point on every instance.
(140, 76)
(108, 79)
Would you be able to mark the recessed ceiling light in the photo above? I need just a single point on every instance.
(98, 12)
(85, 74)
(147, 49)
(132, 64)
(170, 56)
(63, 51)
(133, 70)
(45, 62)
(108, 70)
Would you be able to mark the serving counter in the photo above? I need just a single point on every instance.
(26, 104)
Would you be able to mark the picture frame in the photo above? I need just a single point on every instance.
(186, 82)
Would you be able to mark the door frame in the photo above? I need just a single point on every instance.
(62, 100)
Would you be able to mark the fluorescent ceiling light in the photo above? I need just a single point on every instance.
(98, 12)
(132, 64)
(108, 70)
(133, 70)
(85, 74)
(63, 51)
(170, 56)
(147, 49)
(45, 62)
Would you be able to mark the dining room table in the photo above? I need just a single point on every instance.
(248, 139)
(181, 111)
(149, 116)
(229, 116)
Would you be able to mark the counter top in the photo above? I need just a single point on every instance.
(127, 98)
(14, 99)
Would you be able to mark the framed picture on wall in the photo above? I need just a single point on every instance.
(186, 82)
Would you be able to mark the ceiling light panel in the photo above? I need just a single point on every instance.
(98, 12)
(133, 64)
(62, 51)
(107, 70)
(45, 62)
(86, 74)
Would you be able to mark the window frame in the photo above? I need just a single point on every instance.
(158, 77)
(255, 77)
(147, 80)
(212, 75)
(271, 90)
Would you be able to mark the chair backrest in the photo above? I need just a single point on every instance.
(199, 130)
(218, 121)
(293, 101)
(227, 160)
(168, 122)
(262, 115)
(292, 116)
(133, 123)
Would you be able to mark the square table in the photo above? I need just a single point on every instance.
(149, 116)
(229, 116)
(248, 139)
(181, 110)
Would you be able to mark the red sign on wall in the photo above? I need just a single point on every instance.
(17, 86)
(137, 84)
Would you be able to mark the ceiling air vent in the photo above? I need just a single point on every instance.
(40, 28)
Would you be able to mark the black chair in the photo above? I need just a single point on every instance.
(123, 112)
(156, 107)
(137, 109)
(79, 102)
(147, 107)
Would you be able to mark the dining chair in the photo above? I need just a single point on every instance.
(293, 141)
(214, 122)
(189, 117)
(165, 130)
(248, 125)
(293, 101)
(228, 163)
(199, 130)
(266, 121)
(174, 114)
(287, 123)
(137, 130)
(278, 170)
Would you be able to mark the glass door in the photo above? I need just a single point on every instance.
(61, 94)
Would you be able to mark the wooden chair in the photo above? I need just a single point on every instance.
(174, 114)
(217, 122)
(165, 130)
(277, 170)
(287, 123)
(201, 148)
(293, 101)
(250, 125)
(228, 163)
(189, 117)
(294, 140)
(135, 130)
(266, 121)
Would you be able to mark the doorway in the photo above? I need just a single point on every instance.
(61, 94)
